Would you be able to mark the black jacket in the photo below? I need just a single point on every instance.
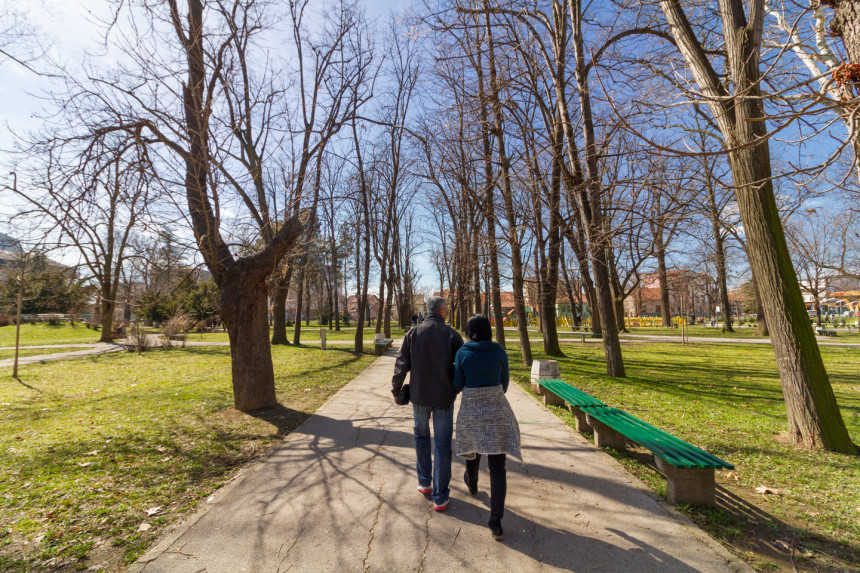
(428, 354)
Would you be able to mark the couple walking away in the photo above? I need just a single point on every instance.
(440, 366)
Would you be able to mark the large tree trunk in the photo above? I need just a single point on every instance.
(279, 308)
(243, 310)
(516, 269)
(301, 292)
(663, 279)
(814, 419)
(108, 305)
(617, 293)
(722, 282)
(241, 281)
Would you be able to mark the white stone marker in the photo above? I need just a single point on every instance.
(542, 369)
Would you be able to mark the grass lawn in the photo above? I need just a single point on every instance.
(23, 351)
(701, 331)
(99, 454)
(309, 333)
(696, 331)
(727, 399)
(44, 333)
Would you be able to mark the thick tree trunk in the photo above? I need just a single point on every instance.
(663, 279)
(279, 309)
(814, 419)
(108, 306)
(722, 282)
(591, 199)
(301, 292)
(243, 310)
(617, 293)
(516, 269)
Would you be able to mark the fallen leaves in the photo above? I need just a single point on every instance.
(733, 475)
(153, 511)
(144, 527)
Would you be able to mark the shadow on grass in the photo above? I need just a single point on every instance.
(22, 383)
(751, 528)
(284, 419)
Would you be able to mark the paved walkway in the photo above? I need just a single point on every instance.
(339, 494)
(98, 348)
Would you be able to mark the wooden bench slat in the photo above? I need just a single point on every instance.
(571, 395)
(672, 449)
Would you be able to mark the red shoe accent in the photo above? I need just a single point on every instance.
(441, 507)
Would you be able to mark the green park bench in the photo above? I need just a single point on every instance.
(557, 392)
(826, 332)
(587, 334)
(689, 470)
(380, 347)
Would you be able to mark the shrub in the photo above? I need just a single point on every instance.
(176, 327)
(5, 320)
(137, 339)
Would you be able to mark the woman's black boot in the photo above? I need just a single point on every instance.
(496, 527)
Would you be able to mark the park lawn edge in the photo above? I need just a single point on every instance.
(115, 552)
(825, 552)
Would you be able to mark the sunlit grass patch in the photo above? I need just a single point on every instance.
(98, 455)
(44, 333)
(727, 399)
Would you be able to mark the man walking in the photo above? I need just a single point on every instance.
(428, 355)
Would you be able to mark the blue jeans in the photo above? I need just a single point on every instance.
(443, 430)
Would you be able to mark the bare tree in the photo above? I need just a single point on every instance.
(92, 202)
(814, 418)
(168, 104)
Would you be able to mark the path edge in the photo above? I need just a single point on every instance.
(706, 539)
(168, 538)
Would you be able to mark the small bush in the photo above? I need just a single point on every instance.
(175, 329)
(137, 339)
(5, 320)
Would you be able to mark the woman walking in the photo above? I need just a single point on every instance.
(485, 423)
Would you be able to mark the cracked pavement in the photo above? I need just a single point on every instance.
(339, 494)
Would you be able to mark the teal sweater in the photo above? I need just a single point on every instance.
(479, 364)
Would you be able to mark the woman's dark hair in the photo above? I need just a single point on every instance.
(478, 328)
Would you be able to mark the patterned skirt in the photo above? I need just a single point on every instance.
(486, 424)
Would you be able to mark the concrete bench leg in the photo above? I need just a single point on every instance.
(604, 435)
(582, 424)
(688, 485)
(551, 399)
